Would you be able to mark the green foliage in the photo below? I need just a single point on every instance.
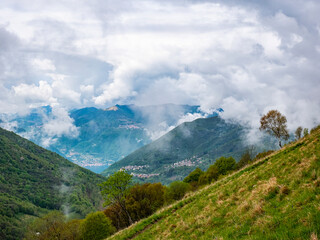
(275, 124)
(212, 174)
(224, 165)
(176, 191)
(221, 166)
(145, 199)
(141, 201)
(262, 155)
(244, 160)
(48, 227)
(96, 226)
(34, 180)
(72, 230)
(316, 128)
(193, 176)
(305, 132)
(117, 216)
(298, 132)
(115, 189)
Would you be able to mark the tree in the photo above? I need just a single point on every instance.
(225, 165)
(117, 216)
(176, 191)
(145, 199)
(275, 124)
(96, 226)
(298, 133)
(115, 189)
(48, 227)
(193, 178)
(305, 132)
(245, 159)
(211, 174)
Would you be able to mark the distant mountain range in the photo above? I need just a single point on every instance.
(34, 180)
(105, 135)
(190, 145)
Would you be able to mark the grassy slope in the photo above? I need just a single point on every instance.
(34, 180)
(275, 198)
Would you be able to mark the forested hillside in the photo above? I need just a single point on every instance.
(190, 145)
(34, 180)
(276, 197)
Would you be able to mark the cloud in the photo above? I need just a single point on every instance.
(60, 124)
(43, 64)
(42, 94)
(245, 56)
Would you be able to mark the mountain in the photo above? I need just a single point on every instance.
(104, 135)
(177, 153)
(34, 180)
(274, 198)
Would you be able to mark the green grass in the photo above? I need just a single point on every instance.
(275, 198)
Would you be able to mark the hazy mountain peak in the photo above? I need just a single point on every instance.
(113, 108)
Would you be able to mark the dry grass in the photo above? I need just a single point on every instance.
(257, 209)
(313, 236)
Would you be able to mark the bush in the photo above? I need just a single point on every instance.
(96, 226)
(176, 191)
(262, 155)
(225, 165)
(244, 160)
(143, 200)
(193, 176)
(118, 218)
(315, 129)
(48, 227)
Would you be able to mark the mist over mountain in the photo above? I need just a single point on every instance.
(188, 146)
(34, 181)
(95, 138)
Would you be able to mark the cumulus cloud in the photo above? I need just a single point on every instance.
(60, 124)
(245, 56)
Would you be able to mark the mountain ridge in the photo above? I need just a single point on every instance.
(101, 132)
(189, 145)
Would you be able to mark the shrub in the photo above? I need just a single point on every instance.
(244, 160)
(225, 165)
(262, 155)
(315, 129)
(193, 176)
(96, 226)
(145, 199)
(176, 191)
(48, 227)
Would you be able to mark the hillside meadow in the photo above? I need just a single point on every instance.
(277, 197)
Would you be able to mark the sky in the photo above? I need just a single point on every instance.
(246, 57)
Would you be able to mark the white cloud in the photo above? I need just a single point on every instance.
(41, 94)
(43, 64)
(60, 124)
(244, 56)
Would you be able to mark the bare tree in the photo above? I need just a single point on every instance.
(275, 124)
(298, 133)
